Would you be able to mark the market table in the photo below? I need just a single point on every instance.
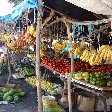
(100, 92)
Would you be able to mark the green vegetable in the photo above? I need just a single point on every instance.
(1, 94)
(10, 99)
(11, 92)
(17, 98)
(22, 94)
(5, 90)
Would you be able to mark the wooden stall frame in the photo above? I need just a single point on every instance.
(38, 74)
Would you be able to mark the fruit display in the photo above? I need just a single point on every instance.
(58, 46)
(54, 90)
(63, 66)
(32, 30)
(11, 95)
(79, 49)
(50, 105)
(92, 78)
(50, 87)
(29, 35)
(31, 80)
(105, 52)
(8, 38)
(31, 56)
(26, 71)
(16, 49)
(93, 57)
(21, 43)
(72, 48)
(43, 50)
(60, 65)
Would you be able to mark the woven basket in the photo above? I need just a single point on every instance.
(86, 103)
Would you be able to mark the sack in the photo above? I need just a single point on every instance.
(85, 103)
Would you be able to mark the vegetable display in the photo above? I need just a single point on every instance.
(11, 95)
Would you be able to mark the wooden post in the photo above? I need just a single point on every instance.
(38, 29)
(8, 59)
(9, 67)
(68, 25)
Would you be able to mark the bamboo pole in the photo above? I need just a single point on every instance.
(68, 25)
(8, 59)
(38, 82)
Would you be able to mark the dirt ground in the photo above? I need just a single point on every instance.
(28, 103)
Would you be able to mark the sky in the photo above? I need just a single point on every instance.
(5, 7)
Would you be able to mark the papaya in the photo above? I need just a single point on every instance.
(10, 99)
(1, 88)
(5, 96)
(17, 98)
(5, 90)
(22, 94)
(16, 94)
(11, 92)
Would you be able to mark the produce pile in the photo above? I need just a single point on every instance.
(31, 56)
(58, 46)
(50, 87)
(63, 66)
(26, 71)
(50, 105)
(11, 95)
(27, 38)
(92, 78)
(90, 55)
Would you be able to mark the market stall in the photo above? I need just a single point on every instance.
(65, 49)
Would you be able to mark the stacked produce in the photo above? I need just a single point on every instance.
(43, 50)
(32, 80)
(29, 35)
(90, 55)
(32, 30)
(50, 87)
(79, 49)
(93, 78)
(11, 95)
(31, 56)
(26, 71)
(27, 38)
(58, 46)
(105, 52)
(8, 38)
(21, 43)
(50, 105)
(63, 66)
(13, 47)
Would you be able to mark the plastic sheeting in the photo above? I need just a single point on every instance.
(97, 6)
(16, 13)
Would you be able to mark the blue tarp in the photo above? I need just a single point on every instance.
(26, 4)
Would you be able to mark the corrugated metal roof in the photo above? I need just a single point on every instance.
(97, 6)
